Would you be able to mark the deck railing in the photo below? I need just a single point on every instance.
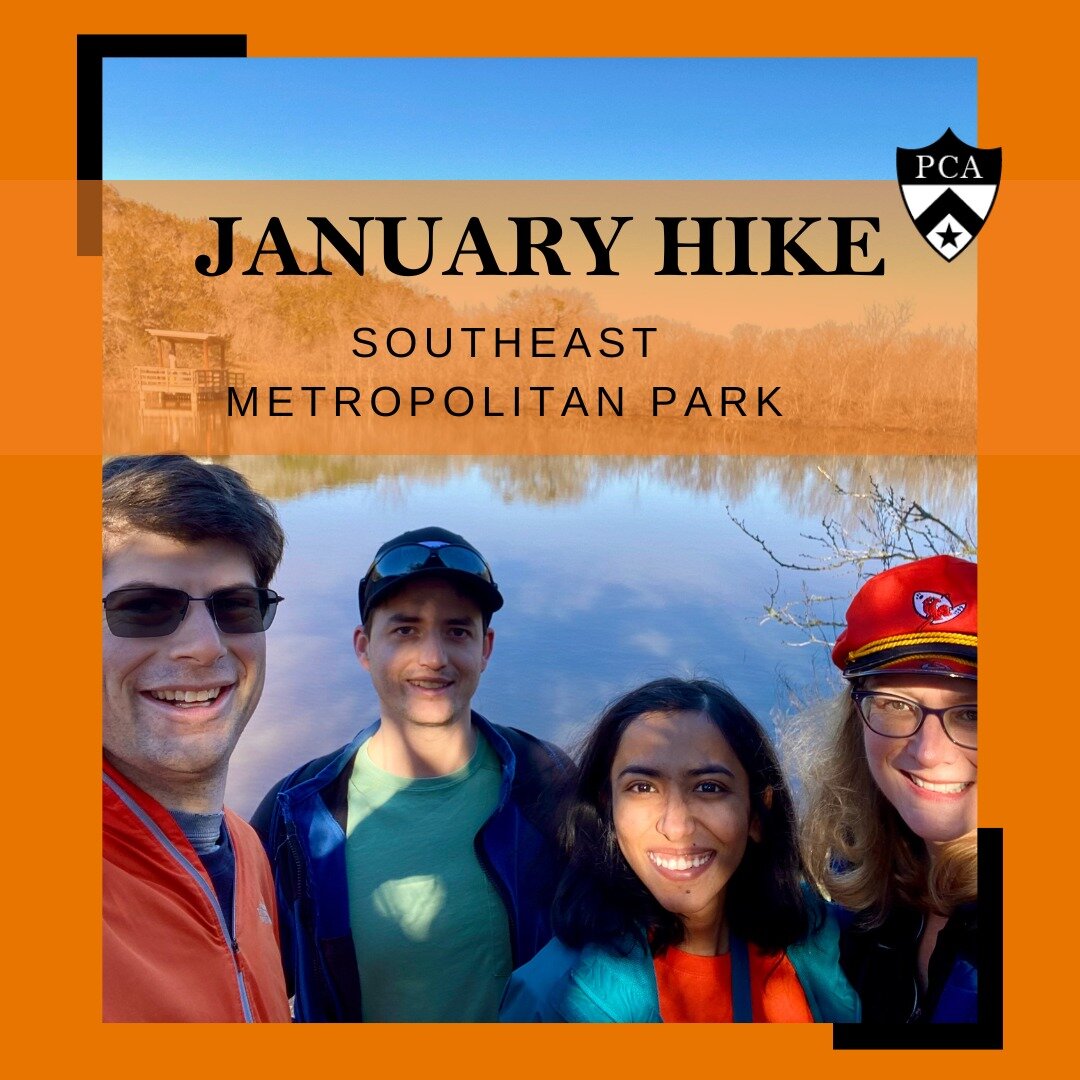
(186, 380)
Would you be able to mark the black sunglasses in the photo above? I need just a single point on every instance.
(148, 611)
(409, 558)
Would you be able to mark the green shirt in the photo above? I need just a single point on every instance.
(431, 934)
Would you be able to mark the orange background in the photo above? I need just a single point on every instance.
(49, 472)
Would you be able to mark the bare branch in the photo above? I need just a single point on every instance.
(886, 528)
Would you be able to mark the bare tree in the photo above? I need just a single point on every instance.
(882, 527)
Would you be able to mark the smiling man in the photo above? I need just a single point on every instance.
(187, 898)
(416, 865)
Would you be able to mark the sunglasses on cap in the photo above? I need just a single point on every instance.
(149, 611)
(409, 558)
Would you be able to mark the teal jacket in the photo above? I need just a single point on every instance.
(598, 985)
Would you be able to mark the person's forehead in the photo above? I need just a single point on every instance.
(429, 594)
(917, 684)
(154, 559)
(677, 741)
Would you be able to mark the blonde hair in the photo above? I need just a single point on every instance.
(857, 848)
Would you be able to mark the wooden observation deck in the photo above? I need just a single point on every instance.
(168, 388)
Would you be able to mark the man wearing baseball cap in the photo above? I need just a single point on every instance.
(415, 866)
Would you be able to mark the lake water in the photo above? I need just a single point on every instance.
(614, 570)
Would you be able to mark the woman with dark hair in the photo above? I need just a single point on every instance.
(892, 782)
(683, 897)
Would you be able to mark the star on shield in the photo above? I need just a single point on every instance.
(949, 188)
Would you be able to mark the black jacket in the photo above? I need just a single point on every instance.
(882, 965)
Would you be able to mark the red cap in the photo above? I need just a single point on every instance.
(917, 618)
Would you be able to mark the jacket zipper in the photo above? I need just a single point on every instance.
(916, 1009)
(155, 830)
(292, 842)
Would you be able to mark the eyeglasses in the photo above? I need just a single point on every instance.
(409, 558)
(146, 612)
(897, 718)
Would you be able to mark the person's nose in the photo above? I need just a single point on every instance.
(676, 820)
(197, 638)
(930, 744)
(432, 652)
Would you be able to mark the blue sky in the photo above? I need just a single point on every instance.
(525, 119)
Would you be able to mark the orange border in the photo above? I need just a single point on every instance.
(50, 458)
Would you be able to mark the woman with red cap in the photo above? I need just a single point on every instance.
(890, 830)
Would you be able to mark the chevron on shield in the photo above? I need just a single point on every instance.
(949, 188)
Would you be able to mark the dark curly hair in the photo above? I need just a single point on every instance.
(601, 900)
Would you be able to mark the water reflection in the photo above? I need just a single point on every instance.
(615, 570)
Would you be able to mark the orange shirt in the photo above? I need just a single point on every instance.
(697, 989)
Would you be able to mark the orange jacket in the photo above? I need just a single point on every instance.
(166, 954)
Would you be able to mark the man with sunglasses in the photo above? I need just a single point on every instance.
(187, 897)
(416, 865)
